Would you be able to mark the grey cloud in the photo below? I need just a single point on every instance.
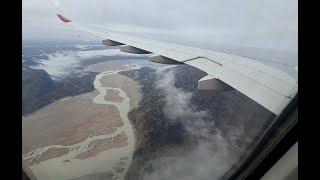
(265, 23)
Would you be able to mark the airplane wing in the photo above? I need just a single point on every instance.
(271, 88)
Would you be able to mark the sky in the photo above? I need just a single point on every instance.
(214, 24)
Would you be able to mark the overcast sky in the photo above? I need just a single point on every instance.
(270, 24)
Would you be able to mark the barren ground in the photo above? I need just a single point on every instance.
(100, 145)
(130, 86)
(49, 154)
(113, 95)
(68, 122)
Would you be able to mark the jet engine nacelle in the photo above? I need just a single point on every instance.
(209, 83)
(133, 50)
(109, 42)
(163, 60)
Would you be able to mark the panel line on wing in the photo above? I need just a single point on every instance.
(198, 57)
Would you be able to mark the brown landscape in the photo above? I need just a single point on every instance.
(124, 158)
(72, 120)
(100, 175)
(49, 154)
(58, 124)
(125, 83)
(97, 146)
(103, 131)
(110, 66)
(113, 95)
(118, 169)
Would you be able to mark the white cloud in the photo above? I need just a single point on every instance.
(63, 63)
(85, 47)
(211, 156)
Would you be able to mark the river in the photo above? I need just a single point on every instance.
(105, 161)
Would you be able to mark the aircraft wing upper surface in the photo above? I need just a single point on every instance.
(271, 88)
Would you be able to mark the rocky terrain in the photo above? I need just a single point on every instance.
(206, 119)
(39, 90)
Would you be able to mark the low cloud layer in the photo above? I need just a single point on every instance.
(213, 153)
(63, 63)
(178, 106)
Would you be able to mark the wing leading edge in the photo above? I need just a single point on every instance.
(271, 88)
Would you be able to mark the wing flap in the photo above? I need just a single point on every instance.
(258, 92)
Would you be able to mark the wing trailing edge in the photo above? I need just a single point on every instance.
(269, 87)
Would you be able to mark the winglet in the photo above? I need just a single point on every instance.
(65, 20)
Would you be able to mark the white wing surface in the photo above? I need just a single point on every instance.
(271, 88)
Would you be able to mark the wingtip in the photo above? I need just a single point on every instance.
(62, 18)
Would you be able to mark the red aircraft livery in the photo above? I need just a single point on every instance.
(63, 18)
